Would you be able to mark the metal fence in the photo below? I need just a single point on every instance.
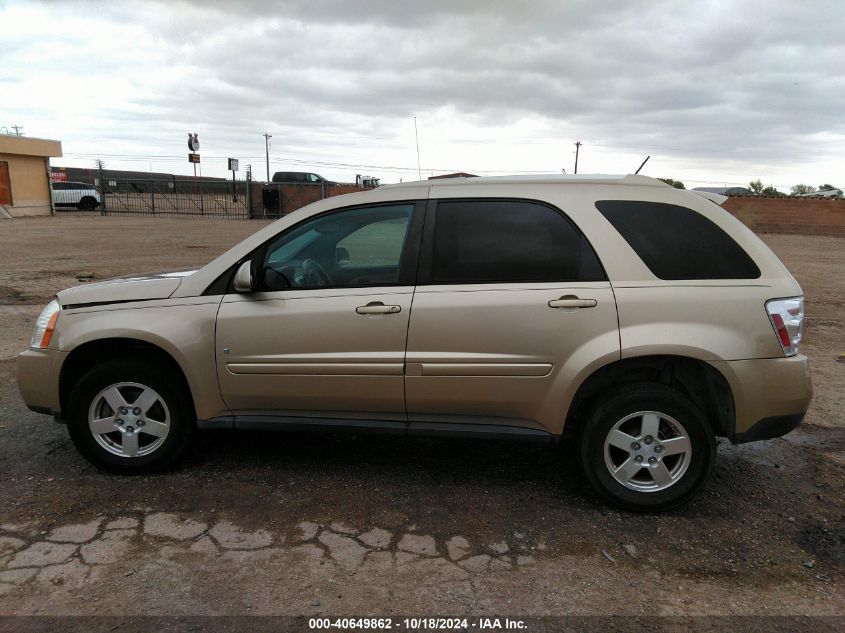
(172, 197)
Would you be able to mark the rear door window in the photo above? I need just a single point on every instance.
(499, 241)
(675, 242)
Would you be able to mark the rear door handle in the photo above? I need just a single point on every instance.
(377, 307)
(571, 301)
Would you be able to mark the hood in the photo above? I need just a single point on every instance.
(143, 287)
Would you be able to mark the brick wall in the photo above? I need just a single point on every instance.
(293, 196)
(297, 196)
(805, 216)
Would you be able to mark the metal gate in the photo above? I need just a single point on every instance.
(173, 198)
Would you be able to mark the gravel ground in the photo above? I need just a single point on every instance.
(266, 524)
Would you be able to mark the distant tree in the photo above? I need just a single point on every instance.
(827, 187)
(770, 191)
(756, 186)
(800, 189)
(677, 184)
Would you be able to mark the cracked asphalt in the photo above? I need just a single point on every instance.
(279, 524)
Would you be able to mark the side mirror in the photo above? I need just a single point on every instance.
(244, 281)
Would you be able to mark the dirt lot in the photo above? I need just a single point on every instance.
(287, 524)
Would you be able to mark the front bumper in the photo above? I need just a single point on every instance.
(771, 395)
(38, 379)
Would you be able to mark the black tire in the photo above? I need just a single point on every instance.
(618, 403)
(131, 370)
(88, 203)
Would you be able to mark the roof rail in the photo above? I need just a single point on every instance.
(561, 179)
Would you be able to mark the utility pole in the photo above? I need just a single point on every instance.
(267, 138)
(577, 147)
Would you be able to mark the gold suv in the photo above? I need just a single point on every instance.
(634, 319)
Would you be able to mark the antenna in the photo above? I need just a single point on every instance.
(577, 147)
(417, 139)
(643, 164)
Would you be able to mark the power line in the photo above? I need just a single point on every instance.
(180, 159)
(297, 161)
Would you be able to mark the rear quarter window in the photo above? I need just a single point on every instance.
(675, 242)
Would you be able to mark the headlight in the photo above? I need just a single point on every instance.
(44, 325)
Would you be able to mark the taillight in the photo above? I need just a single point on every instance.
(787, 317)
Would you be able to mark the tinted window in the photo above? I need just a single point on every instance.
(678, 243)
(352, 248)
(479, 241)
(289, 176)
(375, 244)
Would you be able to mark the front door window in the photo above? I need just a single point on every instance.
(350, 249)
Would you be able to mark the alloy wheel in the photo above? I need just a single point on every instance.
(129, 419)
(647, 451)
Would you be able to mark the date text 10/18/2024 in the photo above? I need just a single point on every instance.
(416, 624)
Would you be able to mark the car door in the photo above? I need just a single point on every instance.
(325, 333)
(511, 308)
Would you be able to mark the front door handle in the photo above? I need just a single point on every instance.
(377, 307)
(571, 301)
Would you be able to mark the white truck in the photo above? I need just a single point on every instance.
(366, 181)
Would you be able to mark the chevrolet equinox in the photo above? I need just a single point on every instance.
(636, 320)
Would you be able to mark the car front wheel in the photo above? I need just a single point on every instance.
(646, 448)
(128, 416)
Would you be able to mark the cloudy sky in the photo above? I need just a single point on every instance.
(717, 92)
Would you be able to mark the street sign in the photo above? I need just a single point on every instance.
(233, 167)
(193, 142)
(193, 158)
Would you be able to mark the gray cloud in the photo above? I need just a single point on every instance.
(753, 83)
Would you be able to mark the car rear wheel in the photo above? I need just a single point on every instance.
(87, 204)
(646, 447)
(127, 416)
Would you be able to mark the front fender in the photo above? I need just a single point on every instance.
(185, 330)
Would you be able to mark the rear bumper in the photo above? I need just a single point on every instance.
(38, 379)
(771, 395)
